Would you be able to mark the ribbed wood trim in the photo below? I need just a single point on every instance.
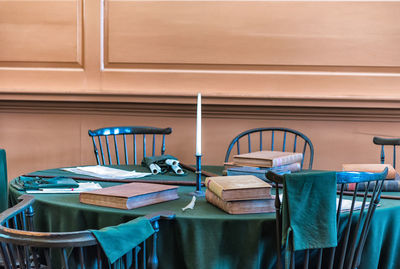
(385, 102)
(210, 110)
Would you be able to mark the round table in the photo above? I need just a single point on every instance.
(207, 237)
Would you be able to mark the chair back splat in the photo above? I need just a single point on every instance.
(22, 247)
(274, 139)
(385, 143)
(111, 145)
(355, 210)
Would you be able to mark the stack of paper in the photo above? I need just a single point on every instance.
(105, 172)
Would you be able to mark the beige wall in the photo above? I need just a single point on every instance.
(327, 68)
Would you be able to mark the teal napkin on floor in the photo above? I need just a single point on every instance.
(309, 210)
(3, 181)
(35, 183)
(116, 241)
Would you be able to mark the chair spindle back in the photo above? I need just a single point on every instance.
(111, 143)
(387, 142)
(356, 218)
(274, 139)
(22, 247)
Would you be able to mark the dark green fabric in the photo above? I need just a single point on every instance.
(35, 183)
(208, 238)
(116, 241)
(3, 181)
(309, 210)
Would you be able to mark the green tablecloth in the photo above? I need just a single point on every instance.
(207, 237)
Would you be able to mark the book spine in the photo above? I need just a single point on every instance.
(218, 202)
(388, 185)
(214, 187)
(284, 160)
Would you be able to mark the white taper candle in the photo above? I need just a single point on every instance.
(198, 125)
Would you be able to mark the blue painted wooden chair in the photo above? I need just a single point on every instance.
(127, 141)
(272, 138)
(351, 241)
(3, 181)
(385, 143)
(22, 247)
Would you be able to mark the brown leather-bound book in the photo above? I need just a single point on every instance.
(130, 195)
(242, 187)
(372, 167)
(267, 158)
(241, 207)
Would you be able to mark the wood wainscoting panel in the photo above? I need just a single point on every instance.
(265, 49)
(41, 33)
(49, 47)
(294, 33)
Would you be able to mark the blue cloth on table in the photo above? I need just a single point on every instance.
(34, 183)
(118, 240)
(309, 210)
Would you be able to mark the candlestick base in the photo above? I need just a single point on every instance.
(197, 193)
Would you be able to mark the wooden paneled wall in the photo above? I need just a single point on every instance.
(328, 68)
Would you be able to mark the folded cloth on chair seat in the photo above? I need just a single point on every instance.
(309, 210)
(35, 183)
(118, 240)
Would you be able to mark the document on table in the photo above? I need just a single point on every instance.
(346, 204)
(83, 186)
(105, 172)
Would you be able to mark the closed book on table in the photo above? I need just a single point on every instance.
(371, 167)
(261, 171)
(267, 158)
(231, 188)
(241, 207)
(130, 195)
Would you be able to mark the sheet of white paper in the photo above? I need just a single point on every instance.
(83, 186)
(346, 204)
(105, 172)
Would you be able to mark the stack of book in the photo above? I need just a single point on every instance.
(240, 194)
(392, 182)
(258, 163)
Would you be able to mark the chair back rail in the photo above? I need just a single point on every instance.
(352, 240)
(274, 139)
(22, 247)
(112, 144)
(387, 142)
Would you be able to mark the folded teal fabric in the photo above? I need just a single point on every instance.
(3, 181)
(35, 183)
(309, 210)
(116, 241)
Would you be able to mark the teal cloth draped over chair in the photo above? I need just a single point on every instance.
(311, 214)
(118, 240)
(309, 210)
(3, 181)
